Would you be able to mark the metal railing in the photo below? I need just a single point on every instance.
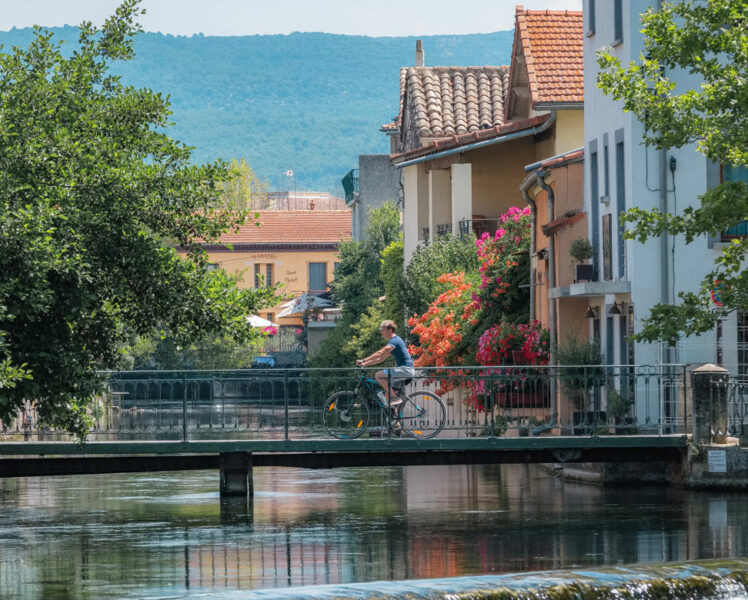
(444, 229)
(737, 407)
(287, 404)
(478, 227)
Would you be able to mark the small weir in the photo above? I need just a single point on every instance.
(724, 580)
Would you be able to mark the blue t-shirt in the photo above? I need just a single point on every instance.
(400, 352)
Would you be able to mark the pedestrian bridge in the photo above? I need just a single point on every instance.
(236, 420)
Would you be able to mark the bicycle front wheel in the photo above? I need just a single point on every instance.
(345, 415)
(422, 415)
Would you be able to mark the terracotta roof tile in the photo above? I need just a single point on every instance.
(552, 41)
(294, 227)
(454, 100)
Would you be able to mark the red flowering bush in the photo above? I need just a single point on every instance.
(442, 326)
(509, 343)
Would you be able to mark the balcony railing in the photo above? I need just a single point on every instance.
(350, 186)
(444, 229)
(478, 226)
(426, 232)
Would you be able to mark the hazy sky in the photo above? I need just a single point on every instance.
(244, 17)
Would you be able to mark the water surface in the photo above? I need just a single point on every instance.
(165, 536)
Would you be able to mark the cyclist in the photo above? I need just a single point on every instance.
(404, 368)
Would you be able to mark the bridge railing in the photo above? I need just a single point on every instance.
(272, 404)
(737, 407)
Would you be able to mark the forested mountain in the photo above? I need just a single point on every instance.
(307, 102)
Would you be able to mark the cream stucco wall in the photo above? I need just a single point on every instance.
(290, 268)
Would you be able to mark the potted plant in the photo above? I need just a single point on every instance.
(618, 406)
(581, 250)
(581, 371)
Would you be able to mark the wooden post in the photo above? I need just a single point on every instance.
(236, 474)
(709, 404)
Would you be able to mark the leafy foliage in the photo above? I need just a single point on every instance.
(393, 281)
(278, 99)
(357, 287)
(446, 254)
(244, 189)
(710, 41)
(93, 198)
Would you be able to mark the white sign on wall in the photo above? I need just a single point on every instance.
(716, 461)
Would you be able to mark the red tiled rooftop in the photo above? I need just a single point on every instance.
(294, 227)
(553, 45)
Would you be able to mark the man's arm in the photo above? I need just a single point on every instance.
(374, 359)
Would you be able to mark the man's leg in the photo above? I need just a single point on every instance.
(383, 381)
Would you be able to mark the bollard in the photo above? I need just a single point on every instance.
(236, 474)
(709, 384)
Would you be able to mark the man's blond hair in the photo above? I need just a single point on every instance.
(388, 324)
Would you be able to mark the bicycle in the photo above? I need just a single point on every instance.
(421, 414)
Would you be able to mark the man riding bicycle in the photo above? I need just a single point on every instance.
(404, 368)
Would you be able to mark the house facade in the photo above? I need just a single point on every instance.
(621, 173)
(464, 134)
(297, 248)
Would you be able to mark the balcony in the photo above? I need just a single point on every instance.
(350, 186)
(444, 229)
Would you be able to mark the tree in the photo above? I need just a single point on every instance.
(94, 200)
(709, 40)
(357, 287)
(244, 189)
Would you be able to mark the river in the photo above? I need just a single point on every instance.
(164, 535)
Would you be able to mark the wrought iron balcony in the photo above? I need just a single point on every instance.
(426, 231)
(478, 226)
(444, 229)
(350, 186)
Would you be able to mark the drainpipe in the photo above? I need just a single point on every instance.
(525, 187)
(541, 175)
(664, 237)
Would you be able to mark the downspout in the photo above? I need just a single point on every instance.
(541, 175)
(664, 237)
(525, 187)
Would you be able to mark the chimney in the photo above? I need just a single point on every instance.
(419, 54)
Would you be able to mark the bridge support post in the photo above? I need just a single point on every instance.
(709, 404)
(236, 475)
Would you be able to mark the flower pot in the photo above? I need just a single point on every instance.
(585, 273)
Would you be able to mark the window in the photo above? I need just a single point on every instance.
(264, 275)
(317, 278)
(269, 317)
(735, 174)
(590, 12)
(609, 341)
(606, 168)
(595, 210)
(211, 267)
(269, 275)
(607, 267)
(618, 22)
(621, 207)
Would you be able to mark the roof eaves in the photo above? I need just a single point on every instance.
(468, 139)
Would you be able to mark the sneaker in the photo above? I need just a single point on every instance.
(382, 398)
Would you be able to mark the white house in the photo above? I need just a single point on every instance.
(620, 172)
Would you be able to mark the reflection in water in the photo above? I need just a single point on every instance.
(138, 535)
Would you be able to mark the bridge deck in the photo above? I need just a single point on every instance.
(64, 458)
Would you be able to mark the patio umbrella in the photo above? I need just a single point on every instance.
(302, 303)
(256, 321)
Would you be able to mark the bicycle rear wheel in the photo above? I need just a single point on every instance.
(345, 415)
(422, 415)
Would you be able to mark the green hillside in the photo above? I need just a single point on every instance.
(310, 102)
